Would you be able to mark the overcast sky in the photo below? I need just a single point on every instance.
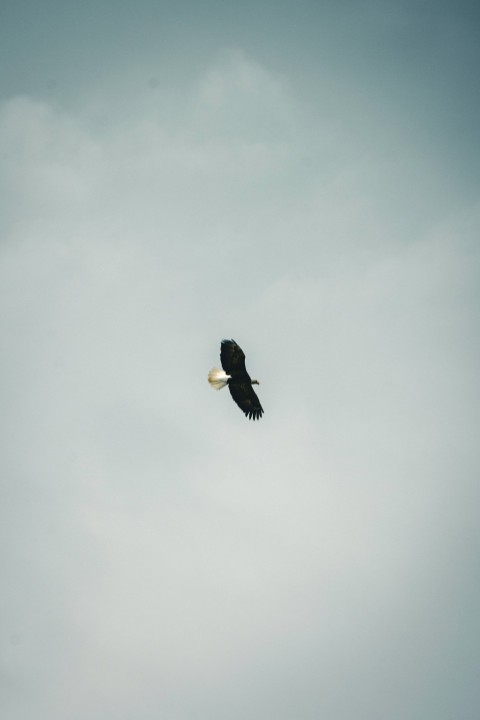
(304, 178)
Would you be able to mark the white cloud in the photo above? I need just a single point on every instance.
(165, 553)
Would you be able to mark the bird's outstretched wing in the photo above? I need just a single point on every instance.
(232, 357)
(246, 399)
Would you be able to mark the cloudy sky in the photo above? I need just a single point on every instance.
(303, 177)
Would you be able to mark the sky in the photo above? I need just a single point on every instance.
(304, 178)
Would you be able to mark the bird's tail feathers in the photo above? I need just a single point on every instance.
(218, 378)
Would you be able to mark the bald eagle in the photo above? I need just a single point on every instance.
(235, 375)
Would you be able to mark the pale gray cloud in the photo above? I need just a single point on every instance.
(163, 556)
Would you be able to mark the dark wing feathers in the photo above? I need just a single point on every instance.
(240, 384)
(246, 399)
(232, 357)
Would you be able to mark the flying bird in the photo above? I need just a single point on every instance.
(235, 375)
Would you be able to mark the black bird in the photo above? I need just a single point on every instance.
(235, 375)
